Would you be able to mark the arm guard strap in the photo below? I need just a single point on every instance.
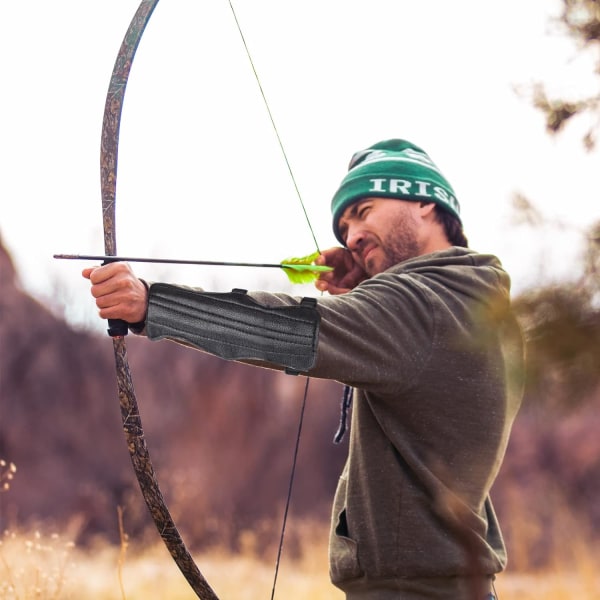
(234, 326)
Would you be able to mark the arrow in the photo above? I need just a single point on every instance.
(302, 268)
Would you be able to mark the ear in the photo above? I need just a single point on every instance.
(426, 209)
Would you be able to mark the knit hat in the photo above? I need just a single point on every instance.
(392, 169)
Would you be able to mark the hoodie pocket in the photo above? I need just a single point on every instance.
(343, 550)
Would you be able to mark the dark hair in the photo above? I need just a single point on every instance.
(452, 227)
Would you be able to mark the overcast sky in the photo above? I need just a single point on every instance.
(200, 171)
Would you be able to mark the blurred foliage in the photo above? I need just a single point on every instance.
(563, 346)
(561, 321)
(580, 19)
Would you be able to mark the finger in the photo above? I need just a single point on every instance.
(331, 287)
(326, 276)
(353, 277)
(117, 306)
(100, 274)
(321, 285)
(106, 282)
(336, 290)
(110, 271)
(330, 257)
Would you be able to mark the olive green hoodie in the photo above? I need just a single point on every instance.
(435, 358)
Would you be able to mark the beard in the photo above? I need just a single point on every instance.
(399, 244)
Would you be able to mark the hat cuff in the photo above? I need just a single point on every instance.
(394, 188)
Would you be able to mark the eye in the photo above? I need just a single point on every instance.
(363, 210)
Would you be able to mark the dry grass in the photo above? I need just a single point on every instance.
(46, 567)
(49, 568)
(32, 566)
(573, 585)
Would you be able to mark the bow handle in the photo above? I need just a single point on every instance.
(117, 328)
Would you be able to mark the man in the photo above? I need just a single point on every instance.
(420, 326)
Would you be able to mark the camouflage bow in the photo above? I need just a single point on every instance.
(132, 423)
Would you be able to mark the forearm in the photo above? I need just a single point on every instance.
(235, 326)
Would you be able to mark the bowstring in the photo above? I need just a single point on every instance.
(314, 237)
(290, 488)
(275, 129)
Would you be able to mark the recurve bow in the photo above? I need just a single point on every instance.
(132, 424)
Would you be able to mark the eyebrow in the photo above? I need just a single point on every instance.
(350, 213)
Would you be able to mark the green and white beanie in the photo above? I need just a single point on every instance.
(392, 169)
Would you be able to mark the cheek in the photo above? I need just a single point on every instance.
(381, 224)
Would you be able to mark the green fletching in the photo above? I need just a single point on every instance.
(303, 260)
(302, 273)
(303, 269)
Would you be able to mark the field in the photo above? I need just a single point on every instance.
(48, 567)
(35, 566)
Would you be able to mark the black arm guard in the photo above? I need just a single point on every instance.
(236, 327)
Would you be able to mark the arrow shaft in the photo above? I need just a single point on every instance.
(213, 263)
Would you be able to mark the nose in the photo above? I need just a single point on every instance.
(354, 239)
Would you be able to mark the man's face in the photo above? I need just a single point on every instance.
(381, 232)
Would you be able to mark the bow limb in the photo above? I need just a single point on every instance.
(132, 424)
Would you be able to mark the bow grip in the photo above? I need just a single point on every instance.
(116, 327)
